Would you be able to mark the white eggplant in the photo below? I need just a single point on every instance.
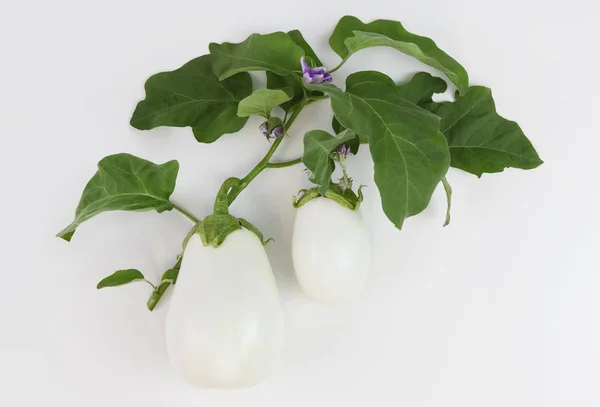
(224, 328)
(331, 251)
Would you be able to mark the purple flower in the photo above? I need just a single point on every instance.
(276, 132)
(314, 75)
(343, 150)
(264, 128)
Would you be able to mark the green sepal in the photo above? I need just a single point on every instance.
(348, 199)
(214, 229)
(246, 224)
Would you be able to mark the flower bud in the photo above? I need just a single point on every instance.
(344, 150)
(264, 128)
(276, 132)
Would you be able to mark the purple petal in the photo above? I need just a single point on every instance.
(305, 67)
(276, 132)
(344, 150)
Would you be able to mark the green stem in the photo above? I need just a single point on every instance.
(342, 62)
(285, 164)
(264, 163)
(448, 190)
(184, 212)
(315, 98)
(222, 200)
(345, 181)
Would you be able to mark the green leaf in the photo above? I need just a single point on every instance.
(297, 37)
(120, 277)
(421, 87)
(193, 96)
(318, 147)
(170, 276)
(262, 101)
(293, 81)
(274, 52)
(418, 90)
(480, 140)
(290, 82)
(351, 35)
(410, 154)
(336, 126)
(125, 182)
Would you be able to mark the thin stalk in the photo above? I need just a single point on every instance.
(153, 286)
(285, 164)
(184, 212)
(260, 167)
(235, 191)
(342, 62)
(222, 200)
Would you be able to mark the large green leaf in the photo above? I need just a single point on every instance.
(193, 96)
(262, 101)
(274, 52)
(418, 90)
(125, 182)
(410, 154)
(318, 147)
(351, 35)
(481, 140)
(293, 81)
(120, 277)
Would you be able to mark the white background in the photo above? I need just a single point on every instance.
(499, 309)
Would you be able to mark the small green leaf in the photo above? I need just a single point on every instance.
(193, 96)
(351, 35)
(293, 81)
(120, 277)
(274, 52)
(170, 276)
(318, 147)
(480, 140)
(448, 190)
(409, 152)
(125, 182)
(262, 101)
(421, 87)
(290, 82)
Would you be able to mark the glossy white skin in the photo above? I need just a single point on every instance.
(331, 250)
(224, 328)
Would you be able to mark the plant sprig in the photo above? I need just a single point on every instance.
(413, 140)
